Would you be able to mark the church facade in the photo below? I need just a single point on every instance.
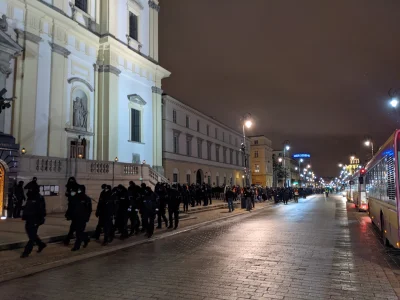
(86, 84)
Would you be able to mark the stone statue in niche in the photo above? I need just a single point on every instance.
(80, 114)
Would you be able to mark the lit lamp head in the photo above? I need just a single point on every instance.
(340, 165)
(80, 155)
(116, 159)
(23, 151)
(280, 159)
(287, 147)
(296, 168)
(242, 176)
(301, 160)
(367, 143)
(394, 102)
(248, 123)
(308, 166)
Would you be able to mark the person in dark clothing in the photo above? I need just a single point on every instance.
(149, 209)
(34, 215)
(134, 207)
(209, 194)
(122, 212)
(80, 216)
(204, 194)
(31, 185)
(199, 195)
(229, 198)
(185, 198)
(173, 206)
(70, 193)
(105, 212)
(161, 197)
(19, 198)
(286, 196)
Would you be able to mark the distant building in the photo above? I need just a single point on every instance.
(198, 148)
(261, 157)
(87, 83)
(290, 165)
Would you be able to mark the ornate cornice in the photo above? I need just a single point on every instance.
(60, 50)
(109, 68)
(154, 6)
(136, 99)
(73, 79)
(156, 90)
(189, 136)
(29, 36)
(176, 132)
(5, 69)
(199, 140)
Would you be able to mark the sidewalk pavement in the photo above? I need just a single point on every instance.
(13, 236)
(56, 254)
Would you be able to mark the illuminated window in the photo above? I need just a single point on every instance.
(255, 154)
(257, 168)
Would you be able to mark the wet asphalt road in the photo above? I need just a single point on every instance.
(316, 249)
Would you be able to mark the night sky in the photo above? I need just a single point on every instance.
(314, 72)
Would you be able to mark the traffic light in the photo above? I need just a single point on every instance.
(363, 171)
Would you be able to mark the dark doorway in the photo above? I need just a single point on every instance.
(199, 176)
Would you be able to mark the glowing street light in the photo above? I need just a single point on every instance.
(368, 142)
(248, 123)
(280, 159)
(394, 102)
(340, 165)
(308, 166)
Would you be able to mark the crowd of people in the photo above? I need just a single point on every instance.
(127, 211)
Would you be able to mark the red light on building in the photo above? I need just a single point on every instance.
(363, 171)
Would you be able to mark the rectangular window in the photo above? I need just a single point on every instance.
(208, 151)
(188, 178)
(133, 26)
(257, 168)
(256, 142)
(82, 5)
(176, 144)
(175, 178)
(188, 147)
(217, 154)
(231, 156)
(187, 122)
(223, 136)
(237, 158)
(255, 154)
(199, 150)
(216, 133)
(236, 142)
(224, 155)
(208, 130)
(230, 139)
(174, 116)
(135, 125)
(198, 125)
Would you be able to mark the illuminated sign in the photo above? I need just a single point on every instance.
(302, 155)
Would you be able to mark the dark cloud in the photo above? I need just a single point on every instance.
(314, 72)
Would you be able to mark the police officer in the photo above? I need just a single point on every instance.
(122, 212)
(173, 206)
(149, 209)
(105, 212)
(80, 216)
(161, 194)
(19, 197)
(34, 215)
(134, 206)
(70, 193)
(185, 197)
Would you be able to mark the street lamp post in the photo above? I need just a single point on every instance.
(247, 122)
(286, 147)
(368, 142)
(115, 160)
(300, 161)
